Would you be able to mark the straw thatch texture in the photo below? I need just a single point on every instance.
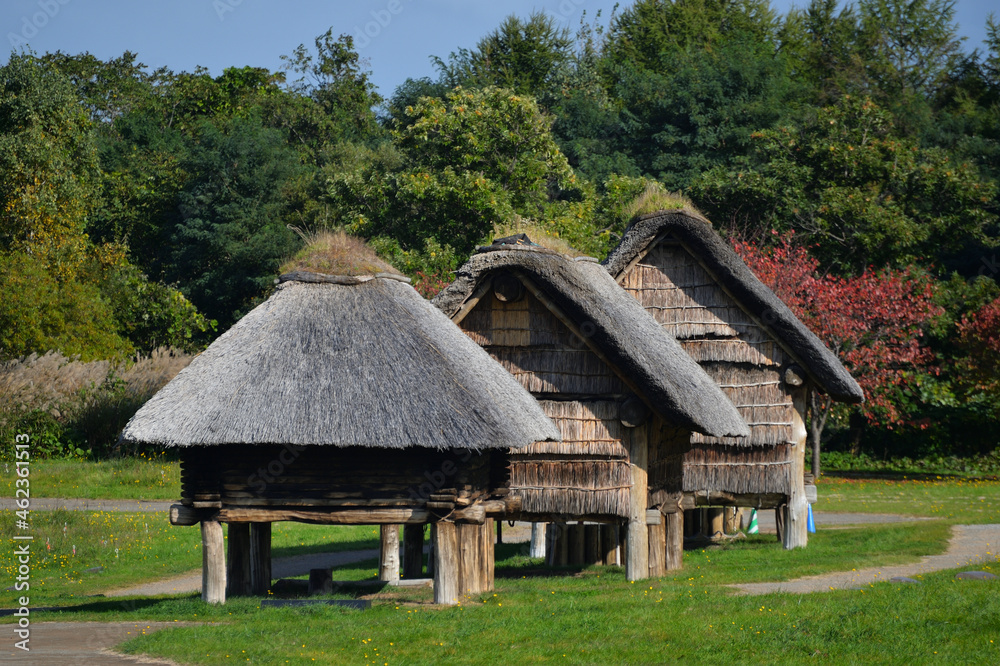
(743, 470)
(370, 364)
(713, 315)
(607, 322)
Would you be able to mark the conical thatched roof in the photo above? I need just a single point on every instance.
(623, 332)
(343, 361)
(696, 234)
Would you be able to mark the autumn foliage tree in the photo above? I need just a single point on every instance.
(874, 322)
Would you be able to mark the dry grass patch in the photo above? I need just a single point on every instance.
(336, 253)
(537, 233)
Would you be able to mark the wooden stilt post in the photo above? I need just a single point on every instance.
(657, 549)
(731, 520)
(795, 533)
(213, 563)
(413, 551)
(475, 545)
(388, 569)
(637, 551)
(674, 524)
(592, 544)
(238, 560)
(576, 543)
(716, 522)
(551, 544)
(538, 540)
(445, 563)
(260, 558)
(609, 544)
(562, 545)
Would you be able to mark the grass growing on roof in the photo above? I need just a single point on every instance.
(336, 253)
(654, 198)
(538, 233)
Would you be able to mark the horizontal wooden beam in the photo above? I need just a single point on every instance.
(719, 498)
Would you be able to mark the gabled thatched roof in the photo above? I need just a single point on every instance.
(343, 361)
(696, 234)
(623, 332)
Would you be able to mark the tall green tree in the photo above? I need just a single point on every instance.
(232, 234)
(860, 193)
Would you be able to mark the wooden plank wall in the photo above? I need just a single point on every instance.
(743, 359)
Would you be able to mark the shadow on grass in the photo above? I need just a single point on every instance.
(333, 547)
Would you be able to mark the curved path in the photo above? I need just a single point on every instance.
(970, 545)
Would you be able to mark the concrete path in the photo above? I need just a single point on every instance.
(51, 504)
(281, 567)
(82, 643)
(970, 545)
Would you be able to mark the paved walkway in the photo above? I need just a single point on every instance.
(82, 643)
(970, 545)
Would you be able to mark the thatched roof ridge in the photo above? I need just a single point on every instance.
(621, 330)
(696, 234)
(364, 364)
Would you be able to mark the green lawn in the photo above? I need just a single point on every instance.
(134, 548)
(536, 615)
(955, 500)
(144, 477)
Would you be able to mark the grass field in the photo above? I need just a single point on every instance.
(144, 477)
(591, 615)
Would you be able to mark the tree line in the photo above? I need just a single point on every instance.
(851, 153)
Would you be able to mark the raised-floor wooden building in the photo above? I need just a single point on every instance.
(757, 351)
(343, 400)
(625, 396)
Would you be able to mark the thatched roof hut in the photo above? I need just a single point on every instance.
(624, 334)
(624, 394)
(342, 399)
(342, 361)
(748, 341)
(694, 234)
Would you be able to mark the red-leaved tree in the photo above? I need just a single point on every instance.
(980, 334)
(873, 322)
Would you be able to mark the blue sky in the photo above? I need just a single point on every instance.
(396, 36)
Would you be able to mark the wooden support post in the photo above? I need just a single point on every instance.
(691, 523)
(499, 531)
(446, 557)
(657, 550)
(238, 560)
(716, 522)
(562, 545)
(795, 533)
(475, 567)
(413, 551)
(731, 519)
(674, 538)
(260, 558)
(388, 568)
(609, 544)
(538, 540)
(551, 544)
(576, 544)
(213, 563)
(320, 581)
(637, 551)
(592, 544)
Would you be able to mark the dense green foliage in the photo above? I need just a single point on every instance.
(144, 208)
